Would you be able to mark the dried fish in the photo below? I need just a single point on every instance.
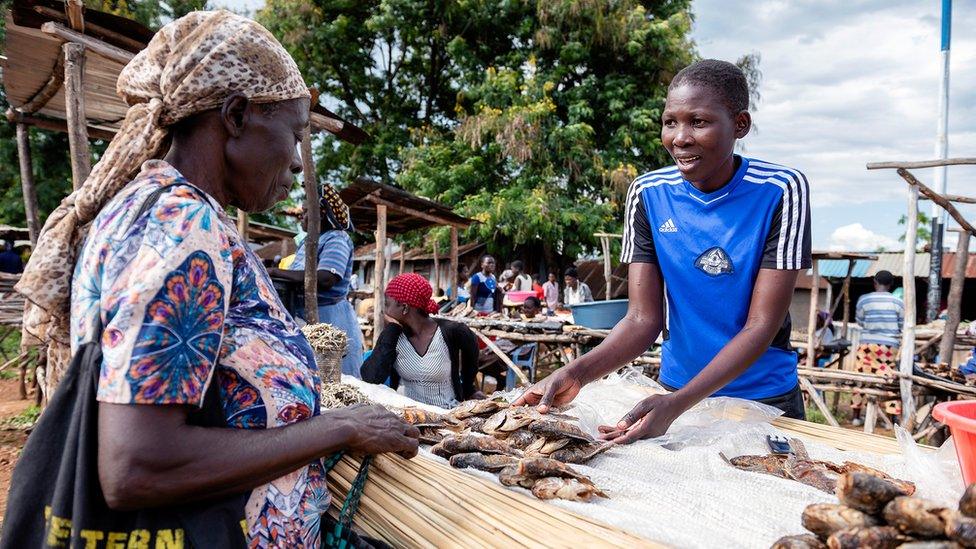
(823, 519)
(559, 429)
(916, 516)
(473, 424)
(967, 504)
(960, 528)
(875, 537)
(903, 485)
(419, 417)
(803, 541)
(581, 453)
(339, 395)
(770, 464)
(819, 474)
(520, 439)
(544, 446)
(325, 337)
(483, 462)
(931, 544)
(565, 488)
(431, 435)
(471, 408)
(507, 421)
(866, 492)
(462, 444)
(528, 470)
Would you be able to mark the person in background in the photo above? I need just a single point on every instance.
(551, 293)
(521, 282)
(10, 261)
(506, 280)
(537, 288)
(463, 288)
(881, 316)
(825, 336)
(436, 360)
(576, 292)
(334, 273)
(484, 286)
(531, 307)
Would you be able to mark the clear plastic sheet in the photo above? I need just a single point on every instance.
(936, 474)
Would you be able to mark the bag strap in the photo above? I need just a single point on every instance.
(339, 536)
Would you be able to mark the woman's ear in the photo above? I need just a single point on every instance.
(234, 114)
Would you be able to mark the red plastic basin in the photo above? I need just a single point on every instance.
(960, 416)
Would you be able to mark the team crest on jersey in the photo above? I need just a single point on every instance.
(714, 261)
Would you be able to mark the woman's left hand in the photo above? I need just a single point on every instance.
(650, 418)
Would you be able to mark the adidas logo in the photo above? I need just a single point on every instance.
(668, 227)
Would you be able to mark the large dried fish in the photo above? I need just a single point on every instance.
(471, 408)
(483, 462)
(520, 439)
(903, 485)
(504, 422)
(803, 541)
(463, 444)
(875, 537)
(543, 446)
(529, 470)
(823, 519)
(555, 429)
(432, 435)
(960, 528)
(418, 417)
(866, 492)
(820, 474)
(581, 453)
(916, 516)
(770, 464)
(931, 544)
(565, 488)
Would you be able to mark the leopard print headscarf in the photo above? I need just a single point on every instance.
(191, 65)
(335, 212)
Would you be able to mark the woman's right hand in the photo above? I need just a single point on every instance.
(377, 430)
(558, 389)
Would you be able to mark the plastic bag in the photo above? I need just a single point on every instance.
(936, 474)
(604, 402)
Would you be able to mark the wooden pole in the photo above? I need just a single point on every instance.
(403, 257)
(955, 298)
(17, 117)
(812, 326)
(437, 268)
(452, 276)
(243, 223)
(818, 401)
(313, 227)
(605, 243)
(74, 101)
(908, 332)
(379, 284)
(500, 354)
(922, 164)
(27, 183)
(937, 198)
(846, 291)
(104, 49)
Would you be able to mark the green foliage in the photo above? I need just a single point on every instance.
(924, 231)
(23, 420)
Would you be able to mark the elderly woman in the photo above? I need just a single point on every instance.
(180, 303)
(334, 275)
(436, 360)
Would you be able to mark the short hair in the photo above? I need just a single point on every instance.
(722, 77)
(572, 272)
(885, 278)
(517, 264)
(533, 300)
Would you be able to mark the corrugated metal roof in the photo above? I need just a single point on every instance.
(837, 268)
(894, 263)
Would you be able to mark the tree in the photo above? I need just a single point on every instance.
(924, 231)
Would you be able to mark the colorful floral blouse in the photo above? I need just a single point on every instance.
(181, 302)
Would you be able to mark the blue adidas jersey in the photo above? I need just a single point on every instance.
(709, 248)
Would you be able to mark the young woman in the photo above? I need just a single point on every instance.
(484, 287)
(436, 360)
(728, 234)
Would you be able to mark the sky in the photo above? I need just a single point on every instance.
(847, 82)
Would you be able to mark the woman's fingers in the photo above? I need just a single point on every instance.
(639, 411)
(546, 402)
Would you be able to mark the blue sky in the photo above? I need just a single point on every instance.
(846, 82)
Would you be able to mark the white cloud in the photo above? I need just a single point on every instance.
(857, 238)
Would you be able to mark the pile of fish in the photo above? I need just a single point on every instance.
(798, 466)
(878, 512)
(523, 447)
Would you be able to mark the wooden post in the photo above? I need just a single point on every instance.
(605, 243)
(817, 400)
(403, 257)
(812, 327)
(955, 298)
(908, 330)
(379, 284)
(74, 101)
(437, 269)
(871, 415)
(452, 276)
(243, 223)
(313, 227)
(27, 182)
(846, 292)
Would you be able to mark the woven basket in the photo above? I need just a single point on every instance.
(330, 365)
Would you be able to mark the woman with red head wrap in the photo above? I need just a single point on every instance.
(435, 359)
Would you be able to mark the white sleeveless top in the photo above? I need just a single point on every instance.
(426, 378)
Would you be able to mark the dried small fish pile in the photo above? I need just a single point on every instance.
(879, 512)
(822, 475)
(338, 395)
(325, 338)
(525, 448)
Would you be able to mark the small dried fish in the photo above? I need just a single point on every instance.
(471, 408)
(769, 464)
(559, 429)
(803, 541)
(482, 462)
(520, 439)
(325, 337)
(529, 470)
(431, 435)
(960, 528)
(866, 492)
(875, 537)
(967, 504)
(503, 422)
(565, 488)
(418, 417)
(581, 453)
(823, 519)
(544, 446)
(473, 424)
(463, 444)
(916, 516)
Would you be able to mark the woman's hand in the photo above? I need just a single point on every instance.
(558, 389)
(650, 418)
(376, 430)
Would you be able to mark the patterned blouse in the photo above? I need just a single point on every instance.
(183, 302)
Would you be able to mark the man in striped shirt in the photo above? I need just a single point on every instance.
(880, 316)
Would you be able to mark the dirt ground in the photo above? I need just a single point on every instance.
(11, 440)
